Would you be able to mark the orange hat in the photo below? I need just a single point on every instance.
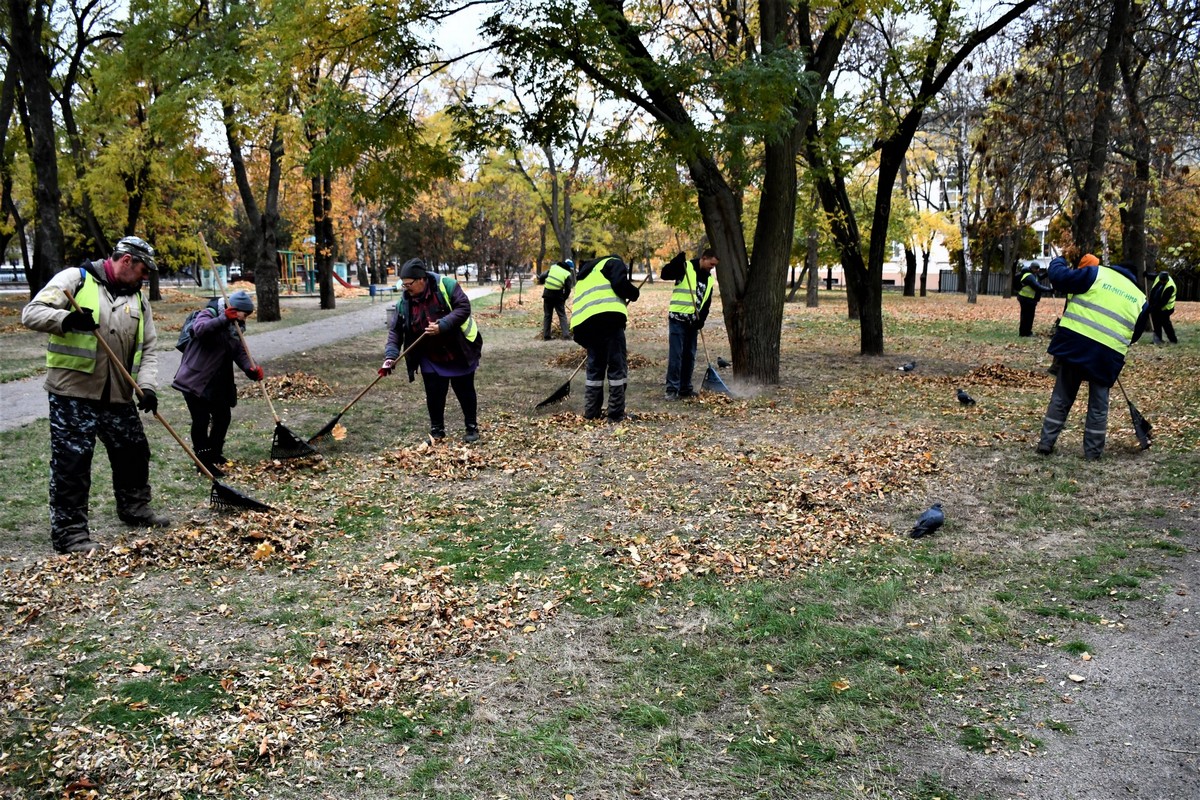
(1089, 260)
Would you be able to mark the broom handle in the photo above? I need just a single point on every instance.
(378, 378)
(112, 357)
(696, 313)
(245, 347)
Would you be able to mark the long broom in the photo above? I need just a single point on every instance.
(1141, 425)
(284, 444)
(328, 428)
(221, 497)
(712, 380)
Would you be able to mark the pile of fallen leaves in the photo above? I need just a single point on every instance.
(571, 358)
(1000, 375)
(289, 386)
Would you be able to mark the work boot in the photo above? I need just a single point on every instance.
(472, 434)
(209, 460)
(593, 400)
(81, 546)
(144, 518)
(670, 395)
(437, 433)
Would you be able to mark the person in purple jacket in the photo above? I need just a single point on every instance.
(205, 374)
(436, 306)
(1105, 314)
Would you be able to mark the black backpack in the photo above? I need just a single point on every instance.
(185, 333)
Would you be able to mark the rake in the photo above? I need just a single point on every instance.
(330, 425)
(222, 497)
(563, 391)
(284, 444)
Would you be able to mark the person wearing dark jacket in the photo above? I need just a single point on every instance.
(1028, 296)
(205, 374)
(1106, 313)
(89, 396)
(691, 300)
(1162, 305)
(558, 280)
(602, 294)
(435, 305)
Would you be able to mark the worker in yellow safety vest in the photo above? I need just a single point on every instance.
(691, 300)
(89, 396)
(1162, 305)
(1106, 313)
(558, 280)
(598, 324)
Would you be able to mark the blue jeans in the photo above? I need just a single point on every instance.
(681, 358)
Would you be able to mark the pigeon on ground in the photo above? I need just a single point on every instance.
(909, 367)
(930, 520)
(722, 363)
(965, 398)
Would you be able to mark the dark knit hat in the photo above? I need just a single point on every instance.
(241, 301)
(413, 269)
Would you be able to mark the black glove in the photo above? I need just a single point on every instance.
(80, 320)
(148, 401)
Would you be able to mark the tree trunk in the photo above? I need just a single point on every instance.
(27, 20)
(1086, 223)
(811, 299)
(1135, 194)
(925, 255)
(910, 271)
(322, 205)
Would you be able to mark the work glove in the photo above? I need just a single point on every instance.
(232, 313)
(389, 364)
(148, 402)
(80, 320)
(255, 373)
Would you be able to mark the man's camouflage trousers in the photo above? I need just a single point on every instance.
(74, 425)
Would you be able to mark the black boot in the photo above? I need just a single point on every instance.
(209, 460)
(472, 434)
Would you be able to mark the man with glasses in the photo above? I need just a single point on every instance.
(89, 397)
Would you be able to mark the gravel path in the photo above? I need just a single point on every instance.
(23, 402)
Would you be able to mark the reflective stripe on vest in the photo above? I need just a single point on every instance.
(76, 350)
(683, 296)
(557, 277)
(594, 295)
(1027, 289)
(1107, 312)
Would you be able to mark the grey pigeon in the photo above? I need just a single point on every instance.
(965, 398)
(930, 520)
(909, 367)
(722, 363)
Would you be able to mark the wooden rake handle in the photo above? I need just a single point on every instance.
(238, 328)
(112, 357)
(378, 378)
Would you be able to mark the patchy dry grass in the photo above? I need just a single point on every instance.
(713, 601)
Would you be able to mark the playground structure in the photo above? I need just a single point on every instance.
(298, 273)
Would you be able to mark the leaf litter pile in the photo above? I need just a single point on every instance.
(230, 651)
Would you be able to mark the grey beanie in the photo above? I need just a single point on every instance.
(413, 269)
(240, 301)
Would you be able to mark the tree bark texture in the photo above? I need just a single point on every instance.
(1086, 223)
(28, 20)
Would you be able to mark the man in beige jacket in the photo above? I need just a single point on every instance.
(89, 397)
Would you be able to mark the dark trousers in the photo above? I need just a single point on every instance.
(1028, 309)
(75, 424)
(436, 389)
(606, 358)
(550, 307)
(681, 356)
(210, 424)
(1095, 426)
(1162, 322)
